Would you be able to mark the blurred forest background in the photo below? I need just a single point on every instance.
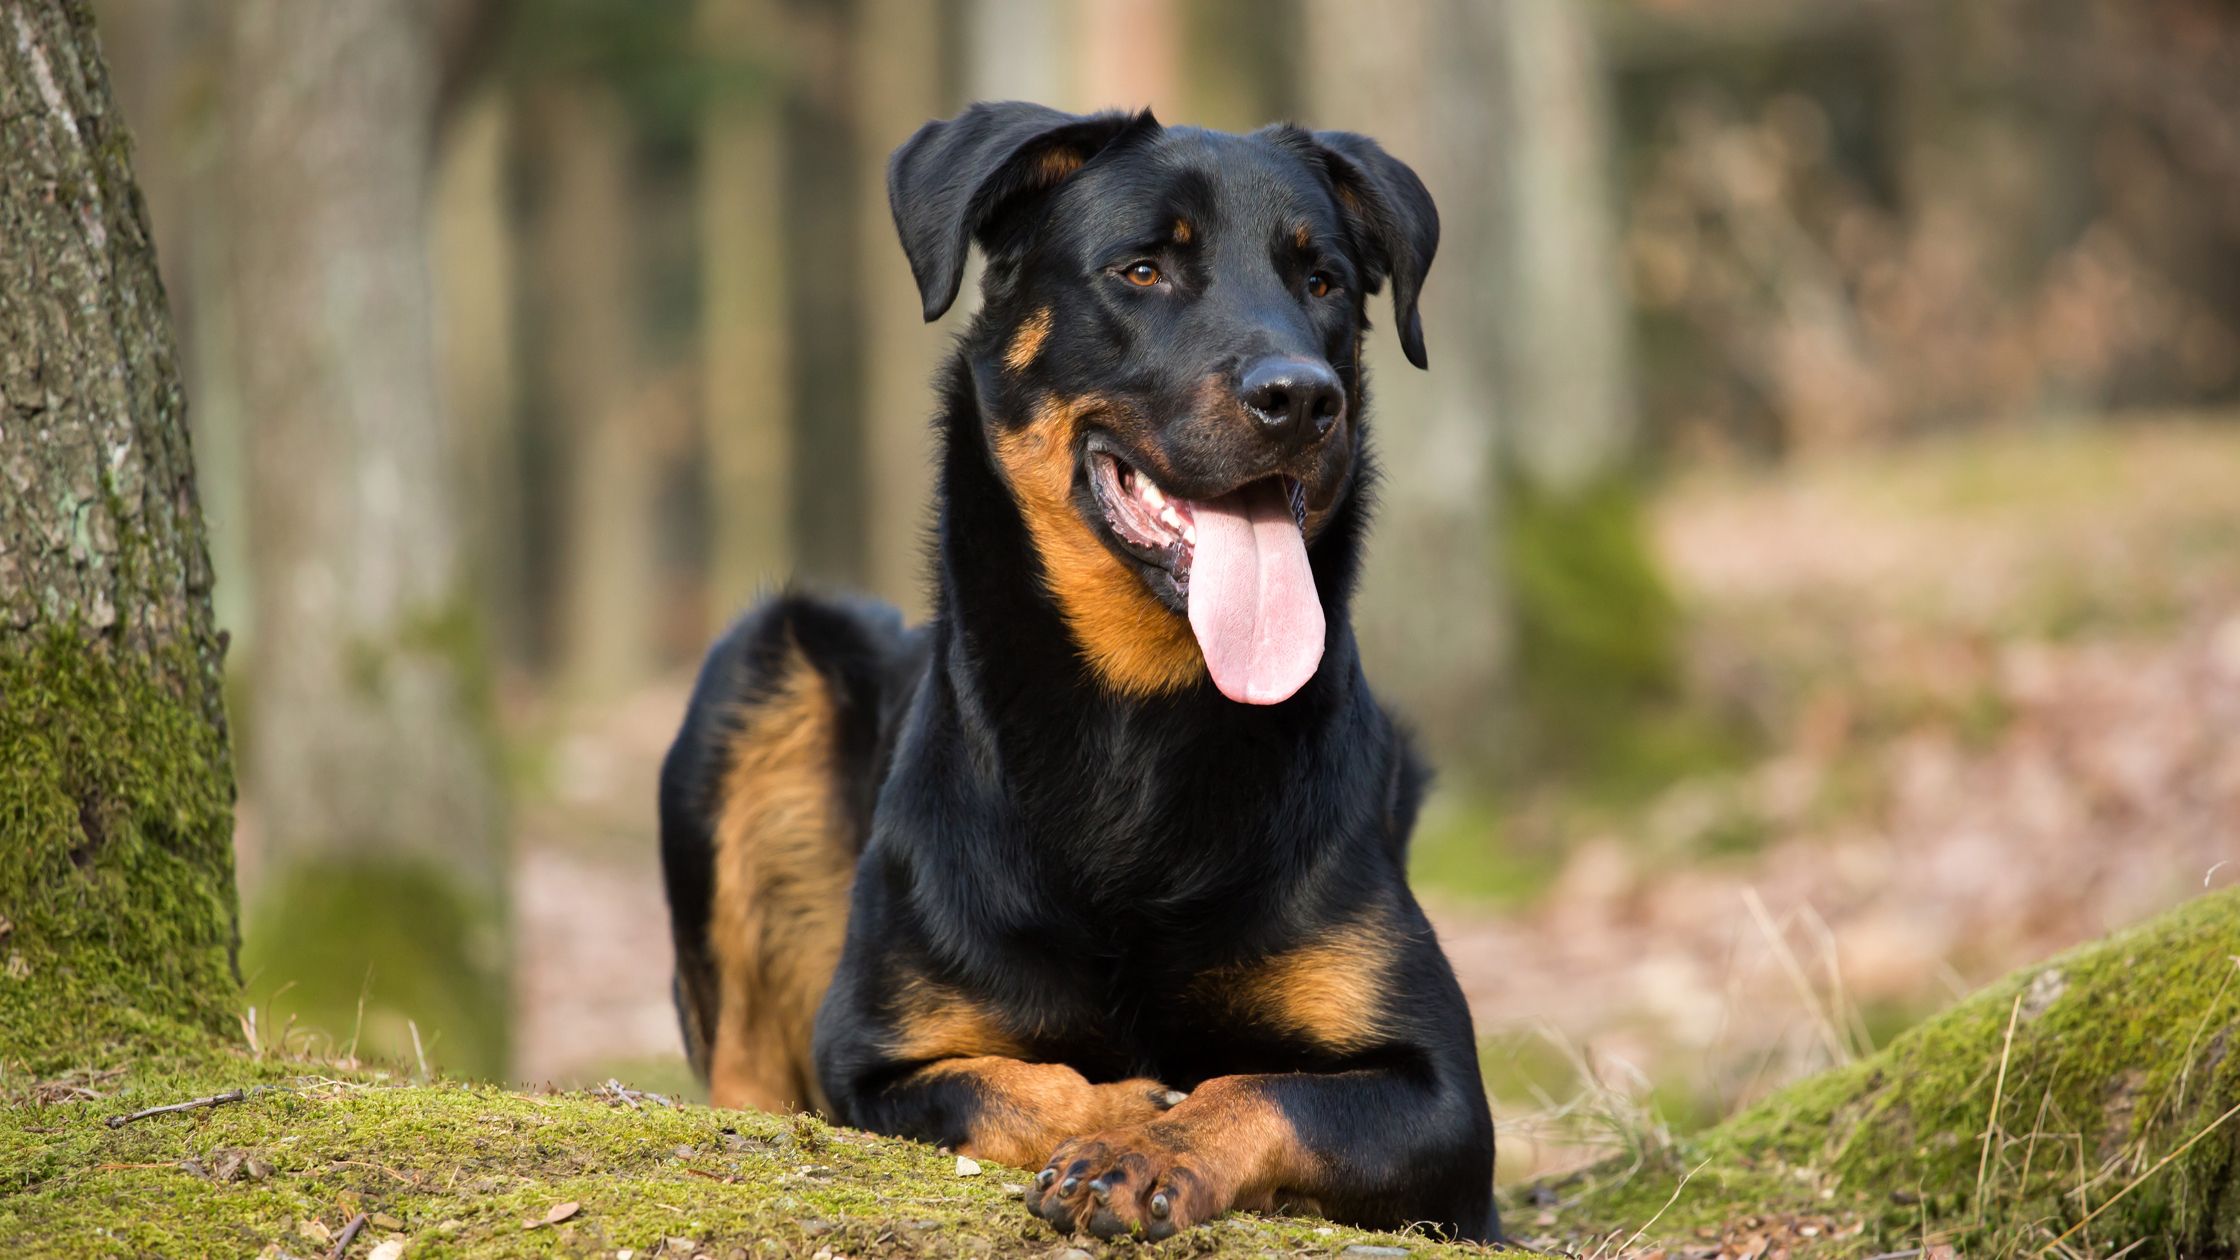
(1814, 558)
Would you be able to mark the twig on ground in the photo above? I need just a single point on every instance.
(349, 1235)
(616, 1090)
(214, 1100)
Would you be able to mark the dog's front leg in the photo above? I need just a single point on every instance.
(1377, 1147)
(1009, 1110)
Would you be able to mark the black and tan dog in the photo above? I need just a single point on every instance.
(1101, 872)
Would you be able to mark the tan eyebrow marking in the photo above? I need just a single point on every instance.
(1182, 231)
(1302, 236)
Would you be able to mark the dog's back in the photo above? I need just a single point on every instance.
(765, 803)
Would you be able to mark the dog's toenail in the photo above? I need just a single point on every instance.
(1101, 1189)
(1067, 1186)
(1159, 1205)
(1171, 1097)
(1043, 1179)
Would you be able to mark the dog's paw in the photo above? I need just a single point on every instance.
(1125, 1181)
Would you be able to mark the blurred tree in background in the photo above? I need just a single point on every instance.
(368, 728)
(529, 342)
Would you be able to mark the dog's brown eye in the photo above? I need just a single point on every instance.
(1142, 275)
(1318, 285)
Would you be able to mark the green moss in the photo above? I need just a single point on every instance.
(350, 955)
(462, 1169)
(2120, 1056)
(116, 871)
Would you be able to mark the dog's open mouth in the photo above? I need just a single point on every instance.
(1239, 562)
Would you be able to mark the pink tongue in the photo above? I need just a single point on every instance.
(1252, 599)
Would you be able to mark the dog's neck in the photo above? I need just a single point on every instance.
(1167, 806)
(997, 624)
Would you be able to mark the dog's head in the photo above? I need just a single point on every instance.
(1168, 364)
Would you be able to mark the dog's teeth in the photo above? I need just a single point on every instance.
(1151, 495)
(1190, 534)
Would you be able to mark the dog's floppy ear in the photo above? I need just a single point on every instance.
(1394, 216)
(947, 183)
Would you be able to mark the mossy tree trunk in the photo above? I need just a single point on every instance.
(376, 901)
(116, 789)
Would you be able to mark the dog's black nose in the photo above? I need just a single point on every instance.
(1296, 401)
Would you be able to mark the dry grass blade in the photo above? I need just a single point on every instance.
(1838, 1052)
(1998, 1092)
(2142, 1178)
(1651, 1222)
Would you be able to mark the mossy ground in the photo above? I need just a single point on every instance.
(460, 1170)
(2120, 1056)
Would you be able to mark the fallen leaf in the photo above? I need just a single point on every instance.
(559, 1213)
(392, 1249)
(967, 1167)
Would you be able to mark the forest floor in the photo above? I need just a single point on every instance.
(1993, 682)
(1989, 683)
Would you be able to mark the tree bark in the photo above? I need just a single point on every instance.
(1595, 630)
(1020, 50)
(587, 283)
(368, 754)
(1432, 614)
(477, 276)
(1565, 389)
(899, 87)
(822, 207)
(116, 788)
(746, 385)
